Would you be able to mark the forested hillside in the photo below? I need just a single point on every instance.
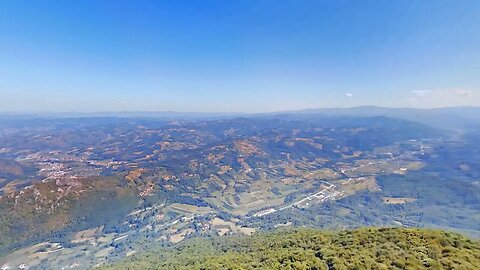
(367, 248)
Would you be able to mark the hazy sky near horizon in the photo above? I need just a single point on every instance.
(237, 56)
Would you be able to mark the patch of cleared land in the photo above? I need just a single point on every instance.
(176, 238)
(86, 235)
(352, 185)
(392, 200)
(223, 227)
(190, 209)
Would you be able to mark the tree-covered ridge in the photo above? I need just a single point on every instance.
(366, 248)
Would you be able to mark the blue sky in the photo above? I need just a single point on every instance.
(237, 56)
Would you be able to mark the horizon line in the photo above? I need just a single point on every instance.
(220, 113)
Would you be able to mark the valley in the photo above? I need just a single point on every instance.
(93, 191)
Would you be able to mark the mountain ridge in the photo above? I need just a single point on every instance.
(454, 118)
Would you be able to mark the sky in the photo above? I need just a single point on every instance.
(237, 56)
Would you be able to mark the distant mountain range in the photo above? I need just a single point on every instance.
(446, 118)
(457, 118)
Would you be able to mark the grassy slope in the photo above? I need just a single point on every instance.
(367, 248)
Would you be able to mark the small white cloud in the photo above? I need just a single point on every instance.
(441, 97)
(349, 94)
(462, 92)
(444, 93)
